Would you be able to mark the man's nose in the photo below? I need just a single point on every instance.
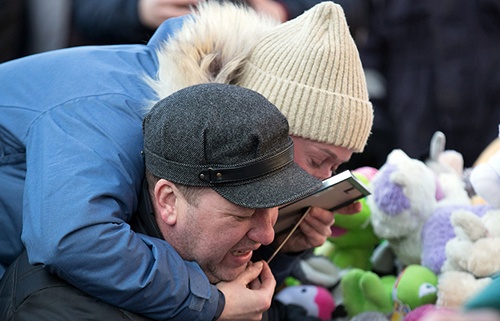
(262, 230)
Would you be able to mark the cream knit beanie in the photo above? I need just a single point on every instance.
(309, 67)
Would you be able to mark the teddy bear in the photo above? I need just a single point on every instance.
(411, 201)
(476, 246)
(404, 195)
(438, 230)
(472, 255)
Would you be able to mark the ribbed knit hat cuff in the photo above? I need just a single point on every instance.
(313, 113)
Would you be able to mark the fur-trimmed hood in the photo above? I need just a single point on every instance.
(211, 46)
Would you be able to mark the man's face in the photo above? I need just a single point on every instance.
(220, 235)
(319, 159)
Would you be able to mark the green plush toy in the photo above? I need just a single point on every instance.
(415, 286)
(353, 241)
(365, 291)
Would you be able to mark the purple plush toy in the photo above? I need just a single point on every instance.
(411, 206)
(438, 230)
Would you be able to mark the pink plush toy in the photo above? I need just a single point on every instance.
(418, 313)
(317, 300)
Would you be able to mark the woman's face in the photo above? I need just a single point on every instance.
(319, 159)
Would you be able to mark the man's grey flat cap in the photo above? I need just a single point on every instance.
(228, 138)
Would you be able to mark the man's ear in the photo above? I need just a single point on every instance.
(165, 201)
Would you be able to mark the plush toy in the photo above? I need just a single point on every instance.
(441, 160)
(472, 255)
(420, 312)
(365, 291)
(404, 195)
(476, 247)
(415, 286)
(352, 241)
(384, 260)
(411, 205)
(316, 300)
(438, 231)
(456, 287)
(370, 316)
(485, 179)
(317, 270)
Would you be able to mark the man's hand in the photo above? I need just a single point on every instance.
(314, 229)
(248, 296)
(153, 12)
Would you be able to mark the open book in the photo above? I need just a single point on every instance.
(336, 192)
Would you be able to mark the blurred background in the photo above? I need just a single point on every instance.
(430, 65)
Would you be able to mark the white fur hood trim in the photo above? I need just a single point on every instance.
(211, 46)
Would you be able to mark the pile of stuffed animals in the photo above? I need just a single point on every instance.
(428, 238)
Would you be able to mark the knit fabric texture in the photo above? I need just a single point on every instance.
(309, 67)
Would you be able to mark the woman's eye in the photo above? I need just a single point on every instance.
(315, 164)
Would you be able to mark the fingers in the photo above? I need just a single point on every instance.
(318, 224)
(251, 273)
(267, 277)
(265, 281)
(249, 295)
(267, 285)
(320, 217)
(352, 208)
(255, 284)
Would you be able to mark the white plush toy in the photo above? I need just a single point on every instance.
(473, 255)
(476, 246)
(407, 192)
(404, 196)
(485, 178)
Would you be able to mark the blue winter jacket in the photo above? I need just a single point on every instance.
(71, 171)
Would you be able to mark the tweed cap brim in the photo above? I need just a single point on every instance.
(231, 132)
(282, 187)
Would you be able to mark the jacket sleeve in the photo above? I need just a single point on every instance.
(109, 22)
(84, 171)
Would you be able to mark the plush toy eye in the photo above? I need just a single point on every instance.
(426, 289)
